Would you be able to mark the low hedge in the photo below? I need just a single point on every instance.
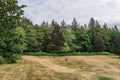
(65, 54)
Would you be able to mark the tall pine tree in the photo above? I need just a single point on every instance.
(74, 24)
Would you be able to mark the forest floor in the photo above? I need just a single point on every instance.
(62, 68)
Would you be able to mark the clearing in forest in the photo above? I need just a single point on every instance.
(62, 68)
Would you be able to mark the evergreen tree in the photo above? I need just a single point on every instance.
(74, 25)
(115, 27)
(57, 39)
(91, 23)
(98, 45)
(52, 23)
(94, 31)
(43, 23)
(116, 45)
(105, 25)
(63, 23)
(25, 22)
(97, 24)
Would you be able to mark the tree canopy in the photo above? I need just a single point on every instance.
(19, 34)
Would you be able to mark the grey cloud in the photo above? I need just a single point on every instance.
(102, 10)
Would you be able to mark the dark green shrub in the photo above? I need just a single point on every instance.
(13, 58)
(6, 54)
(1, 60)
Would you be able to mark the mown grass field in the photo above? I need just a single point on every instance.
(62, 68)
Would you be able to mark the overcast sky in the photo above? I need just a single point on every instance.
(45, 10)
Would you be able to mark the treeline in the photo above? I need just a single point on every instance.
(18, 34)
(58, 38)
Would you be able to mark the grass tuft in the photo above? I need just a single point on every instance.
(104, 78)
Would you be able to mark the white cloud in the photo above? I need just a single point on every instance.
(46, 10)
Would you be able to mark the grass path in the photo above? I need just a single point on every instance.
(47, 63)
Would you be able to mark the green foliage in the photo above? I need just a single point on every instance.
(6, 54)
(98, 45)
(74, 25)
(31, 38)
(105, 34)
(66, 53)
(37, 53)
(18, 40)
(116, 45)
(69, 37)
(25, 22)
(104, 78)
(1, 60)
(91, 23)
(57, 38)
(56, 41)
(51, 38)
(10, 58)
(63, 23)
(10, 12)
(105, 53)
(13, 58)
(82, 40)
(43, 33)
(10, 15)
(91, 53)
(66, 48)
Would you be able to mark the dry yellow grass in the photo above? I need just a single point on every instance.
(62, 68)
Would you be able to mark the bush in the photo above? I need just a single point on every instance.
(1, 60)
(13, 58)
(6, 54)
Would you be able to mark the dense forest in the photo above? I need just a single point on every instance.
(18, 34)
(56, 37)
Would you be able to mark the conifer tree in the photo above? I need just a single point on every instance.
(57, 39)
(116, 45)
(91, 23)
(63, 23)
(98, 45)
(74, 25)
